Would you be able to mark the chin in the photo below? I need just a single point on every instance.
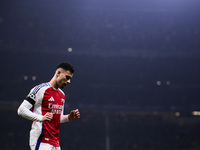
(62, 86)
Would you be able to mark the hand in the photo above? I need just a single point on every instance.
(74, 114)
(47, 117)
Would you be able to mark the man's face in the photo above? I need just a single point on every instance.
(63, 78)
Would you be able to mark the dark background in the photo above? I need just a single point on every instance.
(136, 80)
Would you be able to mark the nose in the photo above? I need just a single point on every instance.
(68, 81)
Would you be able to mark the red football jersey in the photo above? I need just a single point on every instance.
(46, 99)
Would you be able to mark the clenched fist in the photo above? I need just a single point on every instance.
(74, 114)
(47, 117)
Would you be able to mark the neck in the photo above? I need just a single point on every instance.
(53, 83)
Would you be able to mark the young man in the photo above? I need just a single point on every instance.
(47, 103)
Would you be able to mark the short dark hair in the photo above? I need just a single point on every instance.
(66, 66)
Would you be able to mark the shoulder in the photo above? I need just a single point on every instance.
(37, 92)
(37, 88)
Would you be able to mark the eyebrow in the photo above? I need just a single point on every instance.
(68, 77)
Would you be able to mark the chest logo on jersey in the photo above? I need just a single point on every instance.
(55, 108)
(51, 99)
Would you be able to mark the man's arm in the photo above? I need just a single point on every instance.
(24, 111)
(74, 114)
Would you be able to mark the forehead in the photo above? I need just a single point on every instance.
(67, 73)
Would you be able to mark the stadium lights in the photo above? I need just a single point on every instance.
(196, 113)
(69, 49)
(33, 78)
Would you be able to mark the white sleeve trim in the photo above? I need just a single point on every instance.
(64, 118)
(24, 111)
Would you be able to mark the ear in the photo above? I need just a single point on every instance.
(58, 72)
